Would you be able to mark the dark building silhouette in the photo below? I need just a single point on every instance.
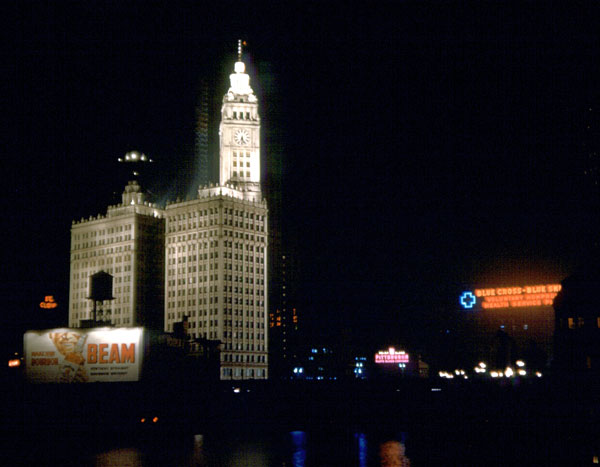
(577, 314)
(284, 318)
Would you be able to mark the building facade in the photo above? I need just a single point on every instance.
(216, 246)
(127, 243)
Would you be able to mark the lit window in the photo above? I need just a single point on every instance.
(571, 322)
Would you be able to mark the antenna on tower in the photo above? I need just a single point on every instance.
(239, 50)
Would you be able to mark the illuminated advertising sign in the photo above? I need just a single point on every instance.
(510, 297)
(391, 356)
(48, 302)
(83, 355)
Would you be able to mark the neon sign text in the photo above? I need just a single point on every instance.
(391, 356)
(48, 302)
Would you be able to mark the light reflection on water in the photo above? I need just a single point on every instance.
(299, 454)
(362, 449)
(392, 454)
(124, 457)
(295, 448)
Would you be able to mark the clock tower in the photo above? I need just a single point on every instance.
(239, 135)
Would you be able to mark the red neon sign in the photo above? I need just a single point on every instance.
(513, 297)
(391, 356)
(48, 302)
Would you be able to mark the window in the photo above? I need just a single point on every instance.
(571, 322)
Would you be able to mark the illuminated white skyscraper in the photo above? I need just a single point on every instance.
(216, 245)
(127, 243)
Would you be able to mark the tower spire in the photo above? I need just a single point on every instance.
(239, 50)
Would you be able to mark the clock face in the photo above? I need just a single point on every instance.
(241, 137)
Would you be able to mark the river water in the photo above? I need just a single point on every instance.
(412, 424)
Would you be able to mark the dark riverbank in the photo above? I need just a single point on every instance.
(467, 422)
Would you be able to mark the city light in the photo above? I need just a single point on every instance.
(14, 362)
(508, 372)
(520, 363)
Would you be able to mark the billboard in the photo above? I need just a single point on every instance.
(83, 355)
(510, 297)
(391, 355)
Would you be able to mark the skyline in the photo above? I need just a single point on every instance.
(418, 152)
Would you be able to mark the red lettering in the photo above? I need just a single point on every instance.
(128, 354)
(103, 353)
(92, 353)
(114, 354)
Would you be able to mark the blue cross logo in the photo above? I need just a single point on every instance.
(468, 300)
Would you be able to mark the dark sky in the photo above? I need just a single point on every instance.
(420, 147)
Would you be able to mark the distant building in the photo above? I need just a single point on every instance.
(127, 243)
(284, 318)
(216, 246)
(577, 314)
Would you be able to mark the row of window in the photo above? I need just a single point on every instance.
(243, 358)
(85, 315)
(102, 241)
(213, 312)
(574, 323)
(214, 255)
(227, 244)
(215, 212)
(213, 233)
(101, 252)
(214, 300)
(248, 347)
(99, 233)
(192, 225)
(239, 373)
(85, 274)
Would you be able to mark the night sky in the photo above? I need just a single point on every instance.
(420, 148)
